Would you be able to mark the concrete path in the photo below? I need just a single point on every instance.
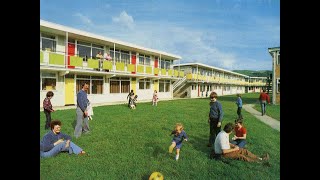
(275, 124)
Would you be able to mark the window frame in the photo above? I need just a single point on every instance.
(42, 77)
(278, 85)
(120, 80)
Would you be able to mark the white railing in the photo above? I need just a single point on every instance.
(179, 82)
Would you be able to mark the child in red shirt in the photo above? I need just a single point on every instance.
(240, 136)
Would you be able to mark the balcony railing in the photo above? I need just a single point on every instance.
(59, 59)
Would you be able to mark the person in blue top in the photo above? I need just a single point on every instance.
(81, 111)
(215, 117)
(239, 105)
(55, 142)
(179, 136)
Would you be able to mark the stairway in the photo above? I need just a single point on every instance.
(180, 88)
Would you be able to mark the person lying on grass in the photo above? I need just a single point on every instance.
(223, 147)
(55, 142)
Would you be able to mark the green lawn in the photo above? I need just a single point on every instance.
(131, 144)
(252, 98)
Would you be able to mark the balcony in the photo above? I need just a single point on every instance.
(59, 59)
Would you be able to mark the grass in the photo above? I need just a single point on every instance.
(131, 144)
(252, 98)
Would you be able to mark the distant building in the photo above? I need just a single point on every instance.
(275, 53)
(200, 79)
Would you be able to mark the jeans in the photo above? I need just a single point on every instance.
(73, 148)
(263, 107)
(239, 142)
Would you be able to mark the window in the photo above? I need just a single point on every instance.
(162, 64)
(141, 59)
(84, 50)
(278, 60)
(164, 86)
(88, 50)
(96, 49)
(48, 42)
(48, 81)
(167, 64)
(125, 57)
(119, 85)
(194, 87)
(95, 83)
(144, 84)
(194, 70)
(278, 85)
(147, 60)
(80, 80)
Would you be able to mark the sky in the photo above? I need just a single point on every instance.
(228, 34)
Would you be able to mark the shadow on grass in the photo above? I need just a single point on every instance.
(200, 144)
(145, 177)
(74, 123)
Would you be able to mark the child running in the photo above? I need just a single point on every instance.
(179, 136)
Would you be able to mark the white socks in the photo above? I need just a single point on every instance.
(177, 157)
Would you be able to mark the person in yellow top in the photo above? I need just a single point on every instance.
(99, 56)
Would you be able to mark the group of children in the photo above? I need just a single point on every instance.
(233, 149)
(132, 99)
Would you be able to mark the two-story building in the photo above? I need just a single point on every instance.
(201, 79)
(69, 57)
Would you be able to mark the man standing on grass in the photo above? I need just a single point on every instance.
(81, 111)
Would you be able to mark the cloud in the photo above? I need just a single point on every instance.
(83, 18)
(219, 47)
(124, 19)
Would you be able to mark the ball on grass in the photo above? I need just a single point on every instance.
(156, 176)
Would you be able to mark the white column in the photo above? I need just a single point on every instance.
(66, 51)
(274, 83)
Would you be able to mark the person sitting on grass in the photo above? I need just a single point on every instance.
(223, 147)
(240, 134)
(179, 136)
(55, 142)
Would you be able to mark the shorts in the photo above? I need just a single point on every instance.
(178, 144)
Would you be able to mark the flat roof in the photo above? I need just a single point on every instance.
(61, 30)
(211, 67)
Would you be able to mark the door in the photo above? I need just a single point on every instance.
(134, 85)
(156, 64)
(69, 91)
(133, 61)
(71, 50)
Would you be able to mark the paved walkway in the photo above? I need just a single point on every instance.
(275, 124)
